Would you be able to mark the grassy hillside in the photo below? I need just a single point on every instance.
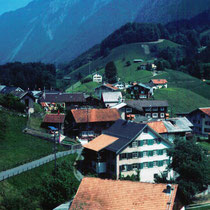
(181, 100)
(17, 147)
(122, 53)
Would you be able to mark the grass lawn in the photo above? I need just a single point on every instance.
(86, 87)
(33, 177)
(18, 148)
(206, 145)
(180, 99)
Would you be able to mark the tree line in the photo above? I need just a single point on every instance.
(28, 75)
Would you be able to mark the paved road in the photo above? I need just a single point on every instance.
(14, 171)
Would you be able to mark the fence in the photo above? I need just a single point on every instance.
(28, 166)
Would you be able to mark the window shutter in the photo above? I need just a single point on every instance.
(152, 142)
(150, 153)
(129, 167)
(141, 143)
(150, 164)
(140, 154)
(141, 165)
(160, 163)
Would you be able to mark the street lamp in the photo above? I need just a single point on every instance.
(53, 129)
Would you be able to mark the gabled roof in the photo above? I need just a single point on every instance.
(96, 193)
(126, 131)
(158, 126)
(54, 118)
(205, 110)
(62, 97)
(172, 125)
(140, 104)
(110, 86)
(10, 90)
(112, 96)
(2, 87)
(140, 84)
(159, 81)
(95, 115)
(100, 142)
(118, 106)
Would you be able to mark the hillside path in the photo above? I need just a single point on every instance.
(36, 163)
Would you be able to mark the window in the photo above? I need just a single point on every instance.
(164, 151)
(207, 123)
(148, 109)
(122, 156)
(160, 163)
(128, 110)
(140, 143)
(148, 115)
(155, 109)
(142, 92)
(131, 92)
(145, 142)
(142, 96)
(156, 176)
(150, 142)
(155, 163)
(134, 144)
(145, 165)
(135, 154)
(150, 153)
(136, 88)
(157, 141)
(206, 129)
(155, 152)
(135, 166)
(154, 115)
(123, 168)
(165, 162)
(162, 109)
(160, 152)
(162, 115)
(144, 153)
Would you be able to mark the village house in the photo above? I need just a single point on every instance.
(137, 60)
(159, 83)
(200, 118)
(95, 193)
(55, 120)
(65, 100)
(172, 128)
(10, 90)
(97, 78)
(88, 123)
(140, 91)
(105, 88)
(155, 109)
(120, 85)
(111, 98)
(126, 148)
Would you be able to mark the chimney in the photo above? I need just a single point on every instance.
(168, 189)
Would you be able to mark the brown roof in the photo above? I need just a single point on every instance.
(95, 193)
(159, 81)
(111, 86)
(95, 115)
(62, 97)
(54, 118)
(206, 110)
(158, 126)
(100, 142)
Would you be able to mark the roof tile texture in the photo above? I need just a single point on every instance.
(95, 115)
(158, 126)
(54, 118)
(159, 81)
(95, 193)
(100, 142)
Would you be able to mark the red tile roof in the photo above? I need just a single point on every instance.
(111, 86)
(158, 126)
(95, 115)
(100, 194)
(206, 110)
(159, 81)
(54, 118)
(100, 142)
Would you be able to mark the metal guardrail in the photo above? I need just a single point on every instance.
(28, 166)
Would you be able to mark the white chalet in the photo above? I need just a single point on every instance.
(97, 78)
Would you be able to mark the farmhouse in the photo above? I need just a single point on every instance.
(88, 123)
(111, 98)
(159, 83)
(105, 88)
(126, 148)
(97, 78)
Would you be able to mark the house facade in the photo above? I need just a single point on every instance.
(155, 109)
(127, 148)
(110, 99)
(97, 78)
(172, 128)
(200, 118)
(159, 83)
(89, 123)
(66, 100)
(140, 91)
(105, 88)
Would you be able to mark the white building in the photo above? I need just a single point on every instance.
(111, 98)
(127, 148)
(97, 78)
